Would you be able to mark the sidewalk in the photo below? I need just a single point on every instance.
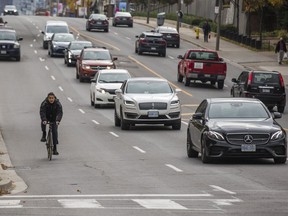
(230, 52)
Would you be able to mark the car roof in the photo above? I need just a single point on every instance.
(149, 33)
(165, 27)
(123, 13)
(95, 49)
(201, 50)
(147, 79)
(7, 29)
(220, 100)
(80, 41)
(113, 71)
(56, 22)
(259, 71)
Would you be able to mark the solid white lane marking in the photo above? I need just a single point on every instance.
(69, 99)
(226, 202)
(10, 204)
(82, 111)
(95, 122)
(53, 78)
(159, 204)
(46, 67)
(80, 203)
(35, 51)
(139, 149)
(218, 188)
(61, 89)
(171, 57)
(174, 168)
(114, 134)
(184, 123)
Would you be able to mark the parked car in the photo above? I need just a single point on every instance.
(10, 10)
(104, 84)
(52, 27)
(9, 44)
(170, 34)
(97, 21)
(235, 127)
(122, 18)
(73, 50)
(147, 100)
(42, 12)
(58, 43)
(92, 60)
(267, 86)
(150, 42)
(203, 65)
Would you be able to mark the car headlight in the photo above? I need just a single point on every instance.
(6, 11)
(16, 46)
(102, 91)
(109, 67)
(54, 46)
(175, 103)
(215, 135)
(277, 135)
(86, 66)
(129, 103)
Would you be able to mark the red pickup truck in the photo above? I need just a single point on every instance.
(203, 65)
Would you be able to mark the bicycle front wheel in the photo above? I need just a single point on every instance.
(49, 145)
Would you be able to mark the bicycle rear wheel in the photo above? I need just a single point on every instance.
(49, 145)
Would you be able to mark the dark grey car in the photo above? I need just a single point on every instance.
(73, 50)
(97, 21)
(170, 34)
(123, 18)
(58, 43)
(9, 44)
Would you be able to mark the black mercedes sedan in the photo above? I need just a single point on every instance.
(73, 50)
(58, 43)
(235, 127)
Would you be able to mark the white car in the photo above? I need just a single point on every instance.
(147, 100)
(104, 84)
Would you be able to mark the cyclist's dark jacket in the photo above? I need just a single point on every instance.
(51, 112)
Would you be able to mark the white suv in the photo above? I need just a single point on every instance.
(147, 100)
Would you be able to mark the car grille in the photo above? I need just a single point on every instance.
(110, 91)
(239, 138)
(153, 105)
(6, 46)
(98, 67)
(149, 118)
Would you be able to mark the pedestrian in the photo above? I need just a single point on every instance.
(51, 112)
(206, 31)
(281, 50)
(180, 15)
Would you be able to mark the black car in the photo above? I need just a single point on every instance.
(97, 21)
(150, 42)
(58, 43)
(73, 50)
(235, 127)
(267, 86)
(9, 44)
(123, 18)
(170, 34)
(10, 10)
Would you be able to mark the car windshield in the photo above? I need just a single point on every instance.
(148, 87)
(202, 55)
(79, 46)
(168, 30)
(10, 7)
(123, 14)
(113, 77)
(63, 38)
(98, 17)
(57, 29)
(237, 110)
(7, 35)
(97, 55)
(266, 78)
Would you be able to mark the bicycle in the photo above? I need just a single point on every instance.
(49, 141)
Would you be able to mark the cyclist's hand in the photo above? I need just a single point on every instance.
(44, 122)
(57, 122)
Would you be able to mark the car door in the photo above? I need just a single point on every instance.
(119, 98)
(196, 125)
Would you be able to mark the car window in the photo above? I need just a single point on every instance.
(202, 55)
(79, 46)
(113, 77)
(148, 87)
(96, 55)
(63, 38)
(266, 78)
(243, 77)
(57, 29)
(202, 107)
(7, 35)
(237, 110)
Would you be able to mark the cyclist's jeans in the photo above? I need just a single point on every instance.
(54, 132)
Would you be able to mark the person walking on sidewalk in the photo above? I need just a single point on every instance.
(280, 49)
(51, 111)
(206, 31)
(180, 15)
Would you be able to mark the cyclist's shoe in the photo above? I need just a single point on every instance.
(43, 139)
(55, 152)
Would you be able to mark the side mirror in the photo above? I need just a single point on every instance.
(20, 39)
(234, 80)
(221, 59)
(71, 33)
(153, 30)
(93, 80)
(177, 90)
(114, 58)
(197, 116)
(5, 22)
(276, 115)
(43, 32)
(180, 57)
(137, 36)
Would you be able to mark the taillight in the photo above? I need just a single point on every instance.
(163, 42)
(281, 81)
(142, 41)
(250, 78)
(106, 22)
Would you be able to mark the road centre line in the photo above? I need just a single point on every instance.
(61, 89)
(158, 75)
(46, 67)
(95, 122)
(114, 134)
(174, 168)
(218, 188)
(82, 111)
(139, 149)
(69, 99)
(87, 36)
(52, 77)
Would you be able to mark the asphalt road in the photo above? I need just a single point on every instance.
(105, 171)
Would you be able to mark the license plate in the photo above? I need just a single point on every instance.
(206, 75)
(153, 48)
(169, 36)
(198, 65)
(248, 148)
(124, 19)
(153, 114)
(266, 90)
(3, 52)
(99, 22)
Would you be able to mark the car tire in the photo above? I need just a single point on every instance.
(106, 30)
(220, 84)
(81, 79)
(77, 75)
(131, 26)
(45, 45)
(96, 105)
(65, 62)
(117, 120)
(177, 45)
(92, 102)
(204, 157)
(164, 54)
(187, 81)
(179, 77)
(281, 108)
(136, 50)
(18, 58)
(139, 52)
(191, 153)
(212, 82)
(177, 125)
(280, 160)
(124, 125)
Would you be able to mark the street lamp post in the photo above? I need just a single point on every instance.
(218, 25)
(148, 11)
(178, 15)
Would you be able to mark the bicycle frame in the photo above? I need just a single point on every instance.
(49, 142)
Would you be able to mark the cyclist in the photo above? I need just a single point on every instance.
(51, 111)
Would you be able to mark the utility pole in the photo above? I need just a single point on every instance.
(220, 4)
(178, 17)
(148, 11)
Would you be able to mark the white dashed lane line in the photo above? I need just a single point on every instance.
(61, 89)
(139, 149)
(174, 168)
(53, 78)
(217, 188)
(69, 99)
(184, 123)
(114, 134)
(171, 57)
(31, 45)
(35, 51)
(128, 38)
(46, 67)
(95, 122)
(34, 40)
(82, 111)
